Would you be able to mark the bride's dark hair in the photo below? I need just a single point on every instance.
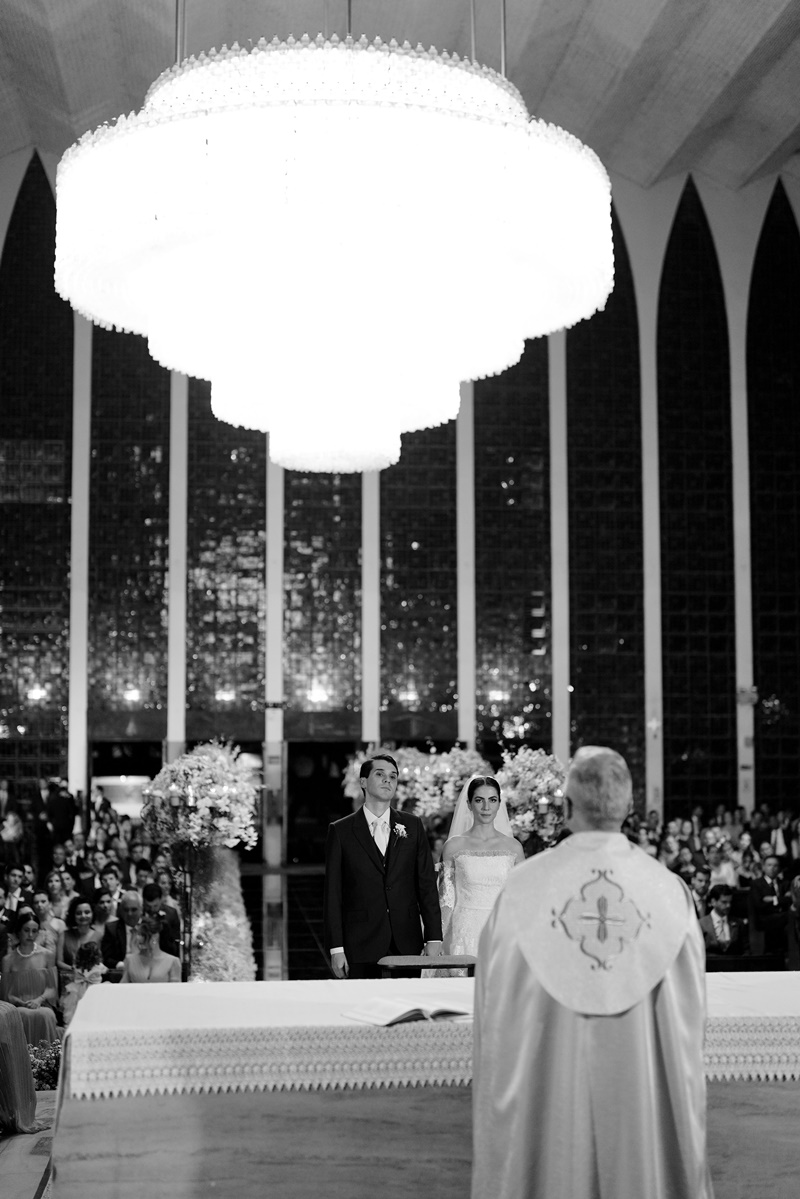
(486, 780)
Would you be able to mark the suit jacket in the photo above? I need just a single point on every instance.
(769, 918)
(372, 901)
(737, 944)
(114, 945)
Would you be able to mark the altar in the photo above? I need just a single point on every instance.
(245, 1088)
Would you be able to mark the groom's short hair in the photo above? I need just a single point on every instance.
(366, 765)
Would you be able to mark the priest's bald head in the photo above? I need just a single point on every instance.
(598, 791)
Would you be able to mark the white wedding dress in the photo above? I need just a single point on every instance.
(468, 887)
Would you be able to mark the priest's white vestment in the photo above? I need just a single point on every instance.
(588, 1079)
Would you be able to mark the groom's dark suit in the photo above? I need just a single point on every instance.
(373, 904)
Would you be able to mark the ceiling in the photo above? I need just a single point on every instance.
(655, 87)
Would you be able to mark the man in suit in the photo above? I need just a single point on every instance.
(17, 895)
(769, 908)
(380, 886)
(119, 938)
(699, 891)
(153, 905)
(720, 933)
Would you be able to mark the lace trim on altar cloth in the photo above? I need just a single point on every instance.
(491, 853)
(423, 1053)
(752, 1047)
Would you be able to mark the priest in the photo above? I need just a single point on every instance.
(589, 1016)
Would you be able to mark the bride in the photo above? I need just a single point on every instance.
(477, 856)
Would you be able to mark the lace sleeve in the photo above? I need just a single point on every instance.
(447, 898)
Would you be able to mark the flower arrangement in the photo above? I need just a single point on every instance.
(45, 1064)
(223, 941)
(532, 783)
(428, 783)
(206, 797)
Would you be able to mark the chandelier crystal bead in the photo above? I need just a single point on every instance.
(335, 234)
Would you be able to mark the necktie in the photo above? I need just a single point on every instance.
(381, 835)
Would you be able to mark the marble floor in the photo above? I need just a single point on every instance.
(25, 1160)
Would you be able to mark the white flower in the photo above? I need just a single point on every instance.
(400, 830)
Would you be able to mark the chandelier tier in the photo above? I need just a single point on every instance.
(335, 234)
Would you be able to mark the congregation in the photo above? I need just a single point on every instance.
(80, 908)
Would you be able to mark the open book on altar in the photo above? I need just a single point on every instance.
(379, 1010)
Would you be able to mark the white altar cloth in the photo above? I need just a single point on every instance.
(211, 1037)
(196, 1037)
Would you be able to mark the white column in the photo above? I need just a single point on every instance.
(274, 809)
(177, 565)
(736, 220)
(559, 546)
(465, 553)
(646, 218)
(371, 607)
(77, 726)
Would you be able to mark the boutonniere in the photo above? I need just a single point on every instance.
(400, 830)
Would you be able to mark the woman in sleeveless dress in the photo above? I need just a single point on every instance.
(150, 964)
(477, 857)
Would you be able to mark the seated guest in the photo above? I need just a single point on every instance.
(70, 883)
(699, 891)
(54, 886)
(144, 874)
(111, 879)
(29, 981)
(136, 853)
(167, 884)
(749, 867)
(720, 933)
(17, 895)
(78, 931)
(119, 938)
(148, 963)
(721, 870)
(50, 927)
(644, 842)
(153, 904)
(684, 864)
(104, 911)
(73, 856)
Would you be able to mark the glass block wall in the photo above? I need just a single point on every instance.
(322, 606)
(694, 430)
(419, 665)
(129, 490)
(36, 339)
(773, 370)
(512, 555)
(225, 596)
(606, 581)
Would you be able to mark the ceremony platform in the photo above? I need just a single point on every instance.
(234, 1089)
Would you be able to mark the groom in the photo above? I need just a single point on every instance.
(380, 886)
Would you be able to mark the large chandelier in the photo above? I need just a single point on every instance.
(335, 234)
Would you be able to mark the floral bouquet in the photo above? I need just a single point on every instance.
(45, 1064)
(429, 783)
(88, 971)
(532, 784)
(208, 797)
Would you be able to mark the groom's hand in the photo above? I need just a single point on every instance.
(339, 965)
(433, 949)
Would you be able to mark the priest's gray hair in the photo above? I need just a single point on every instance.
(599, 785)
